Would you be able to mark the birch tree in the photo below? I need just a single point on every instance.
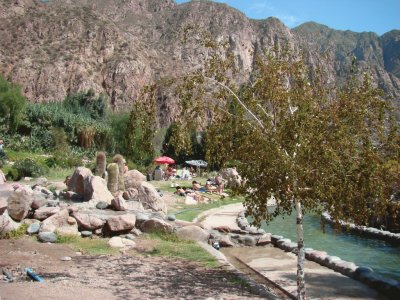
(309, 146)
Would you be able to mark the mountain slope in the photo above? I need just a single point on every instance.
(118, 46)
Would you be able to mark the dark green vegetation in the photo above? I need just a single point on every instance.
(70, 132)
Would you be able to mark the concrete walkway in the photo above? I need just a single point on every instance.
(281, 267)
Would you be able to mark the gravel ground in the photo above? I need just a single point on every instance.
(129, 275)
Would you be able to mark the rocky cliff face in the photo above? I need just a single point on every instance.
(52, 48)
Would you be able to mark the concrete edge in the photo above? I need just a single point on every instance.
(254, 286)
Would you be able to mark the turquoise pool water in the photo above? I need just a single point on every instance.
(383, 257)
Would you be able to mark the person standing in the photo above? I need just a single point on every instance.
(2, 153)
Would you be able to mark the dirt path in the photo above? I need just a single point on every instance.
(130, 276)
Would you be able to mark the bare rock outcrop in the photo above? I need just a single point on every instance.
(193, 232)
(45, 212)
(133, 179)
(60, 223)
(91, 188)
(118, 47)
(7, 224)
(121, 223)
(149, 197)
(87, 221)
(154, 224)
(19, 203)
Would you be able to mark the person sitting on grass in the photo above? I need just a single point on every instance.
(198, 197)
(209, 187)
(196, 186)
(180, 191)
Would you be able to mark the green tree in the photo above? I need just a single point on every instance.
(87, 102)
(296, 140)
(12, 105)
(192, 146)
(141, 128)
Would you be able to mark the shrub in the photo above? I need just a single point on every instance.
(29, 168)
(64, 160)
(13, 175)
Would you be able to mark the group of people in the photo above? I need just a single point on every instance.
(197, 190)
(160, 174)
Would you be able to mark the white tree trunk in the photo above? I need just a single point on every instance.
(301, 287)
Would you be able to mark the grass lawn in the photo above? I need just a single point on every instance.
(190, 212)
(169, 245)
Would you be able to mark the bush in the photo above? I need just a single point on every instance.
(13, 175)
(29, 168)
(63, 160)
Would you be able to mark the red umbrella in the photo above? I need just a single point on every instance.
(164, 160)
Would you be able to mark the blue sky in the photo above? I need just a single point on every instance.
(379, 16)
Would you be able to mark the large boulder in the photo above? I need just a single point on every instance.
(47, 237)
(19, 203)
(149, 197)
(7, 224)
(193, 232)
(130, 194)
(133, 179)
(60, 223)
(96, 190)
(119, 203)
(45, 212)
(88, 222)
(3, 205)
(77, 181)
(154, 225)
(91, 188)
(38, 200)
(121, 223)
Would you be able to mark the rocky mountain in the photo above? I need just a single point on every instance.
(56, 47)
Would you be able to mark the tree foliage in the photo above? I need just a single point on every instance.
(87, 103)
(12, 105)
(141, 128)
(297, 138)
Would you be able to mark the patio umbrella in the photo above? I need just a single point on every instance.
(197, 163)
(164, 160)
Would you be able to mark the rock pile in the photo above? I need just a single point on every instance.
(86, 207)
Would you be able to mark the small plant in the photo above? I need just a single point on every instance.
(17, 233)
(13, 175)
(85, 245)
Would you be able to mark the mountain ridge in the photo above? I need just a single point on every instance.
(118, 46)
